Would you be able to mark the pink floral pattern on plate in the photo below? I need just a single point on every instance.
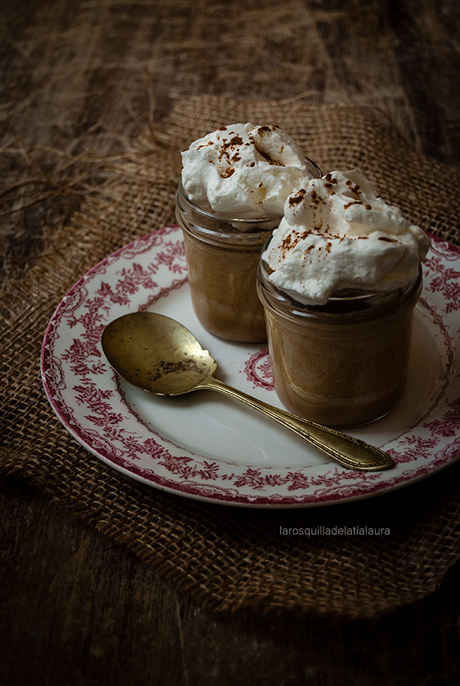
(100, 412)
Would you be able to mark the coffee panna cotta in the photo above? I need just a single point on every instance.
(339, 280)
(233, 189)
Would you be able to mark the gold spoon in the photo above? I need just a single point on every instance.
(159, 355)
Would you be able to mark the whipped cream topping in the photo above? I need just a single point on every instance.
(337, 234)
(243, 171)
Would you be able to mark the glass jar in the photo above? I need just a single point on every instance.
(344, 363)
(222, 262)
(223, 256)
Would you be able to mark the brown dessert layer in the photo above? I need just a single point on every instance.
(223, 290)
(338, 375)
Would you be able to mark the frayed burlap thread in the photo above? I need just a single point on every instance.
(230, 558)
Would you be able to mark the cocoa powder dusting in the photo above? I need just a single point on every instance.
(205, 145)
(355, 189)
(353, 202)
(266, 128)
(269, 159)
(298, 197)
(228, 154)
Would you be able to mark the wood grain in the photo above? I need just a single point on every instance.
(78, 610)
(90, 73)
(74, 608)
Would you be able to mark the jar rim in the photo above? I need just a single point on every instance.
(213, 228)
(218, 217)
(358, 306)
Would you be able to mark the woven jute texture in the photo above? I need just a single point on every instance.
(231, 558)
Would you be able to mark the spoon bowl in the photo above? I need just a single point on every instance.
(156, 353)
(159, 355)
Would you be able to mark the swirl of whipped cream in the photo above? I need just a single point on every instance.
(243, 171)
(337, 234)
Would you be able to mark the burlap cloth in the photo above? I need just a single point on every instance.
(230, 558)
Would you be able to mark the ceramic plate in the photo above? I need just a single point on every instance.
(206, 446)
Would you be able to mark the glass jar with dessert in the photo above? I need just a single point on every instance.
(231, 196)
(339, 280)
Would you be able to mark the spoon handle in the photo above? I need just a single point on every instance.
(346, 450)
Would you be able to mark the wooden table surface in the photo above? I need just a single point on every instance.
(75, 608)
